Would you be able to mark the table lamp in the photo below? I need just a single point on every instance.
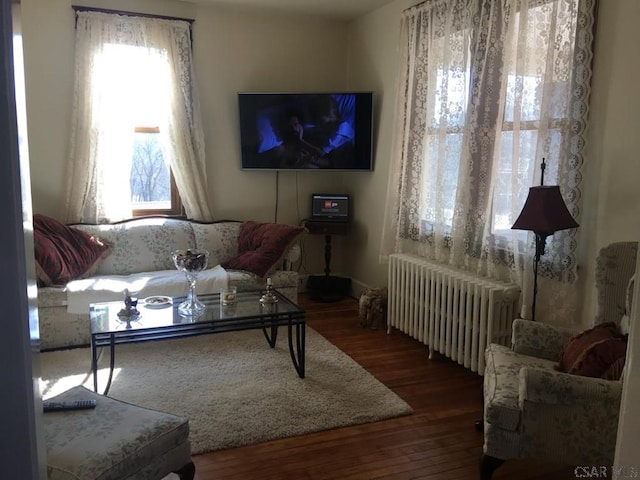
(544, 213)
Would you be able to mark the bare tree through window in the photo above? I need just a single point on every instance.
(150, 173)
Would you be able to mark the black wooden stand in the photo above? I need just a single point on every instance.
(327, 287)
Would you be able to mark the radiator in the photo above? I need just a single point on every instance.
(453, 312)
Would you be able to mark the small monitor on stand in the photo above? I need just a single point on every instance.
(330, 215)
(327, 207)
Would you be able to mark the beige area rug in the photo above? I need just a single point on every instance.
(232, 387)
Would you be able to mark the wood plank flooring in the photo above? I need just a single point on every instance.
(437, 442)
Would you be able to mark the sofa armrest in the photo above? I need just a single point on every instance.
(539, 339)
(567, 416)
(291, 256)
(553, 387)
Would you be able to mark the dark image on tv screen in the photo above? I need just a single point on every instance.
(306, 131)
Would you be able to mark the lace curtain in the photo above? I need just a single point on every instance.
(129, 68)
(487, 89)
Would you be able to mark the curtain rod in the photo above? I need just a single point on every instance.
(80, 8)
(419, 4)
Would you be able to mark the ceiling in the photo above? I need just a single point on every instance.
(338, 9)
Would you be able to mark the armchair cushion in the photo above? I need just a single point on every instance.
(598, 352)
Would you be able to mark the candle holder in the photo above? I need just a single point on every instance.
(269, 297)
(130, 311)
(191, 262)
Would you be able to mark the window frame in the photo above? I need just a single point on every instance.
(177, 208)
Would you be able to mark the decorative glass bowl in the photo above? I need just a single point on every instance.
(191, 262)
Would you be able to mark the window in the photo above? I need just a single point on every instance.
(136, 134)
(535, 117)
(486, 91)
(133, 80)
(531, 100)
(519, 133)
(447, 115)
(153, 188)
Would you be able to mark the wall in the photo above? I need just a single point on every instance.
(373, 60)
(234, 50)
(612, 174)
(627, 458)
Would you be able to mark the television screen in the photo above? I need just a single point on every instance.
(327, 206)
(306, 131)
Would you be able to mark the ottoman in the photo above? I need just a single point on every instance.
(114, 441)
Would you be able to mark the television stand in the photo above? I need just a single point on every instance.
(327, 287)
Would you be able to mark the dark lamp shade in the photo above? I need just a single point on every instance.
(544, 211)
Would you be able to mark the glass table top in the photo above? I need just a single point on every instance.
(105, 319)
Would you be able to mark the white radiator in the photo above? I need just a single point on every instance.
(452, 312)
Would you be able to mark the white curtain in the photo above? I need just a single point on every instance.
(128, 70)
(489, 88)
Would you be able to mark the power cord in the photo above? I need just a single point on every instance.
(275, 217)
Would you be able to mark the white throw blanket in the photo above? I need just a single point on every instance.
(108, 288)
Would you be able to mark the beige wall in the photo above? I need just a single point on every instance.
(373, 64)
(612, 176)
(628, 444)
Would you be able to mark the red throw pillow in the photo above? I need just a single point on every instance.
(63, 253)
(261, 247)
(597, 352)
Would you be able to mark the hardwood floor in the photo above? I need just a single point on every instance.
(437, 442)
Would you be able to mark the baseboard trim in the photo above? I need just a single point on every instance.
(357, 287)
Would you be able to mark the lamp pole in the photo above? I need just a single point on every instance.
(541, 240)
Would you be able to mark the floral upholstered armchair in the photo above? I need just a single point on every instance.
(534, 408)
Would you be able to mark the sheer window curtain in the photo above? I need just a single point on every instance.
(129, 69)
(487, 89)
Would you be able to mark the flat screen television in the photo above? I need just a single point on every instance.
(306, 131)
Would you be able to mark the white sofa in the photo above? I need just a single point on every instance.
(143, 246)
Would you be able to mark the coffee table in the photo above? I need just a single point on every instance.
(108, 330)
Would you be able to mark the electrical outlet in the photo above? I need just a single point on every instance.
(302, 283)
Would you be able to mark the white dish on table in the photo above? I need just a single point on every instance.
(157, 301)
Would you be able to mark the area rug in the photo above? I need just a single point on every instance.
(232, 387)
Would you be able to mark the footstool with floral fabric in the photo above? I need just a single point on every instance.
(114, 441)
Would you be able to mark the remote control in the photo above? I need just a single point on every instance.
(75, 405)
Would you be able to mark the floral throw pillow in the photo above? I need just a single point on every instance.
(598, 352)
(63, 253)
(262, 246)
